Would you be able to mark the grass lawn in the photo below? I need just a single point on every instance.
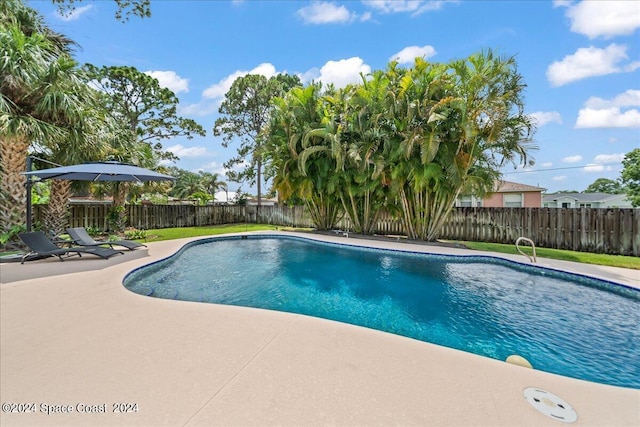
(584, 257)
(179, 233)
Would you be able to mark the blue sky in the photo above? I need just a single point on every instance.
(580, 61)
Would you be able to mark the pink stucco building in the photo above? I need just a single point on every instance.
(507, 195)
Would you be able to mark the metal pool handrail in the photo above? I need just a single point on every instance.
(524, 239)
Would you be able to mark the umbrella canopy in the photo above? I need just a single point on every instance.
(96, 171)
(100, 171)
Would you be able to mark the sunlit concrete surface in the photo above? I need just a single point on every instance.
(73, 338)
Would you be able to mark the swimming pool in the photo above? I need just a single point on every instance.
(562, 323)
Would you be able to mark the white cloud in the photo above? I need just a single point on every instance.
(603, 113)
(309, 75)
(562, 3)
(593, 168)
(183, 152)
(559, 178)
(629, 98)
(608, 158)
(75, 14)
(631, 67)
(202, 108)
(220, 89)
(543, 117)
(415, 7)
(607, 118)
(410, 53)
(604, 18)
(572, 159)
(170, 80)
(365, 17)
(325, 13)
(547, 164)
(213, 167)
(589, 62)
(343, 72)
(601, 161)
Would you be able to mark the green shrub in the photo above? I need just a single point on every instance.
(93, 231)
(11, 234)
(135, 234)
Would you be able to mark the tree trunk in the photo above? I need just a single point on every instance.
(117, 216)
(56, 215)
(259, 187)
(13, 194)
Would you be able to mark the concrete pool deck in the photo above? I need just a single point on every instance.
(71, 335)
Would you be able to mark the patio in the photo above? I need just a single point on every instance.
(73, 336)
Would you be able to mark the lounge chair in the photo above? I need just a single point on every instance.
(39, 245)
(82, 238)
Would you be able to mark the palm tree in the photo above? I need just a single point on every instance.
(35, 106)
(300, 154)
(186, 184)
(88, 144)
(457, 125)
(212, 183)
(407, 139)
(364, 188)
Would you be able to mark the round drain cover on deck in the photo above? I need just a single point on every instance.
(550, 405)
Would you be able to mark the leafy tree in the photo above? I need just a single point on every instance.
(147, 111)
(126, 8)
(631, 176)
(41, 192)
(44, 99)
(605, 185)
(246, 112)
(147, 114)
(201, 196)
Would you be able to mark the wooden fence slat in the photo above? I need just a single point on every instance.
(612, 231)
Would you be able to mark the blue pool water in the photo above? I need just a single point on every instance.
(565, 324)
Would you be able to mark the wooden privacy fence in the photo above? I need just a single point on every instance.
(146, 217)
(610, 231)
(165, 216)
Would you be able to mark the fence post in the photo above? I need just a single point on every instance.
(614, 231)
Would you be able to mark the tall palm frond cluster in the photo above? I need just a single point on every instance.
(42, 100)
(408, 140)
(67, 114)
(201, 185)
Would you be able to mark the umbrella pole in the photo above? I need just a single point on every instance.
(28, 186)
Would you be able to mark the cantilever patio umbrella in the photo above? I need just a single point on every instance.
(100, 171)
(95, 171)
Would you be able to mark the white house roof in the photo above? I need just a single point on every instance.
(225, 196)
(582, 197)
